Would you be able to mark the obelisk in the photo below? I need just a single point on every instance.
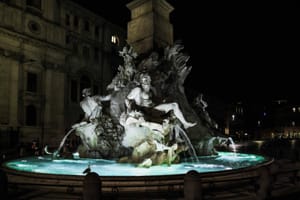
(150, 26)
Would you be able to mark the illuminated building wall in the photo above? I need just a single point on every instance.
(49, 51)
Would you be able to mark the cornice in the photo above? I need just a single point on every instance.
(21, 58)
(11, 54)
(24, 38)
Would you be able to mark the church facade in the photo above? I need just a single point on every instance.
(49, 52)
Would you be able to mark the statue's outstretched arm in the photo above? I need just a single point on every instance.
(105, 98)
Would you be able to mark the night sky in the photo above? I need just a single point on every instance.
(239, 51)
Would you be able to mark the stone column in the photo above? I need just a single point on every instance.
(53, 107)
(150, 25)
(14, 93)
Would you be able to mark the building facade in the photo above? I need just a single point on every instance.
(265, 120)
(49, 51)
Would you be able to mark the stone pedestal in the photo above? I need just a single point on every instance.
(92, 187)
(150, 25)
(192, 186)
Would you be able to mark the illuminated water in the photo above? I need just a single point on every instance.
(224, 161)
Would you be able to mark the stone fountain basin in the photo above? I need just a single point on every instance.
(43, 173)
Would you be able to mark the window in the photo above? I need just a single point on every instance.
(76, 22)
(31, 117)
(34, 4)
(31, 82)
(96, 54)
(86, 52)
(115, 39)
(97, 32)
(68, 39)
(68, 20)
(74, 93)
(86, 25)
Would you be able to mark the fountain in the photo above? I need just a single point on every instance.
(150, 136)
(145, 142)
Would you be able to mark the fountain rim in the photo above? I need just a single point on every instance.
(268, 161)
(158, 184)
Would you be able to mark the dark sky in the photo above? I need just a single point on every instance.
(239, 50)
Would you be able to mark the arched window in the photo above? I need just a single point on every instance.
(31, 116)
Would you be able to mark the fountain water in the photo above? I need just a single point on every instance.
(233, 144)
(56, 153)
(189, 144)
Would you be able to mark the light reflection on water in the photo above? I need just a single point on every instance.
(224, 161)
